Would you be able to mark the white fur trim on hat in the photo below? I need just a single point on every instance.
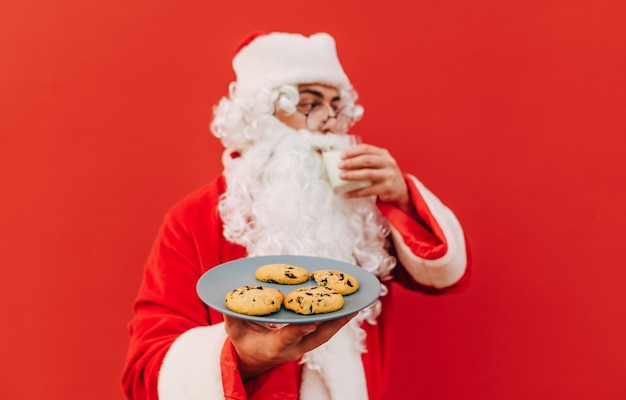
(276, 59)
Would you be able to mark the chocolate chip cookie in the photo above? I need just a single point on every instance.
(339, 281)
(283, 274)
(254, 300)
(313, 300)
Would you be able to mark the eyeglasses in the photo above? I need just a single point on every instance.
(317, 114)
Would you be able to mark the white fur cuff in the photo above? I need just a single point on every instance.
(449, 268)
(191, 368)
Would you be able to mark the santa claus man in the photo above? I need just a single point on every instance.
(291, 98)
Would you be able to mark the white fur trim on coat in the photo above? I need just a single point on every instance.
(191, 368)
(449, 268)
(335, 370)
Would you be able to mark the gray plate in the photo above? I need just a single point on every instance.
(216, 282)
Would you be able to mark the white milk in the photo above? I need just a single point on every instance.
(331, 160)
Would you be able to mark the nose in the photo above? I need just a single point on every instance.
(330, 125)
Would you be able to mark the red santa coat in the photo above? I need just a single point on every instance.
(178, 346)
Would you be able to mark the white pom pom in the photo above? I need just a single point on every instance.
(358, 112)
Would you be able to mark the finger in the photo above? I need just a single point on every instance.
(233, 326)
(362, 151)
(237, 327)
(363, 174)
(323, 333)
(361, 161)
(292, 334)
(355, 150)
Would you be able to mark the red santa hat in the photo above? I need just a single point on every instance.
(268, 61)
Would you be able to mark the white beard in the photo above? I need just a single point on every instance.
(279, 201)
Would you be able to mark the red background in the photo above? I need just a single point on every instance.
(512, 112)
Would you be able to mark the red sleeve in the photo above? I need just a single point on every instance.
(189, 242)
(167, 304)
(282, 382)
(166, 307)
(402, 277)
(424, 236)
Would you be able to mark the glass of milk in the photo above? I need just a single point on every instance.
(332, 157)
